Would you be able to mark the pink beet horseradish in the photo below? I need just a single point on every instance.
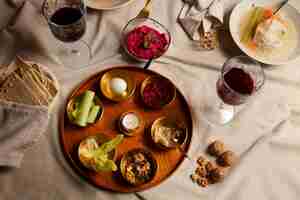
(145, 42)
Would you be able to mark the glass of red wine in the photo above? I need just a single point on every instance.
(66, 19)
(241, 77)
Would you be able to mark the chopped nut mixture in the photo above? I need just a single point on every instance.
(208, 172)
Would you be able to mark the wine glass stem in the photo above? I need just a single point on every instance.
(226, 112)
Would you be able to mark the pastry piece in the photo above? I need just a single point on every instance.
(227, 159)
(216, 148)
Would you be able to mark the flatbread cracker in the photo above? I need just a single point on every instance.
(15, 90)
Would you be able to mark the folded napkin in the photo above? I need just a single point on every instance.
(199, 16)
(27, 91)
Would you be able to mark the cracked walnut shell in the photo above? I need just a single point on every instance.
(216, 148)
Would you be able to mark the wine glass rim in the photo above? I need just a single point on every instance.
(250, 59)
(58, 25)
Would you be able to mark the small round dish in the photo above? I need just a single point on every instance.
(237, 20)
(157, 92)
(168, 134)
(127, 127)
(106, 85)
(91, 143)
(71, 107)
(107, 4)
(139, 29)
(138, 166)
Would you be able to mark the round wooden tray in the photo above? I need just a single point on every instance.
(167, 160)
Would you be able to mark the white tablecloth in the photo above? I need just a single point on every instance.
(264, 134)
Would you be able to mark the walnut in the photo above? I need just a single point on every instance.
(195, 177)
(209, 167)
(202, 161)
(203, 182)
(216, 148)
(227, 159)
(216, 175)
(201, 171)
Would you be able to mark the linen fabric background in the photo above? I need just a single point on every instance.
(264, 134)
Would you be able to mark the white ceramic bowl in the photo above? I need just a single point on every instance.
(107, 4)
(235, 21)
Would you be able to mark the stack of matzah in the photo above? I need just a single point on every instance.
(27, 83)
(26, 92)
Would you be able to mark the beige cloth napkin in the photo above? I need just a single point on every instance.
(20, 127)
(201, 14)
(23, 114)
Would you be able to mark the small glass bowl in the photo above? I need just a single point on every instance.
(106, 87)
(130, 132)
(100, 139)
(127, 161)
(152, 79)
(71, 107)
(141, 21)
(163, 121)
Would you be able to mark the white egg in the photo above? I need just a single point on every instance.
(118, 85)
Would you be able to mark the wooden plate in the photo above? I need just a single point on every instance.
(107, 4)
(167, 160)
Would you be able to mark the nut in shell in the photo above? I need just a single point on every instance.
(227, 159)
(216, 148)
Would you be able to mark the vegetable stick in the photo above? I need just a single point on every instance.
(84, 108)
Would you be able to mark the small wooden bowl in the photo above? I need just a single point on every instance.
(71, 107)
(163, 121)
(153, 79)
(106, 88)
(100, 139)
(127, 157)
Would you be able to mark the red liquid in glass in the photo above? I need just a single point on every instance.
(235, 86)
(69, 23)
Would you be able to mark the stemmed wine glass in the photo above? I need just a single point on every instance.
(66, 19)
(241, 77)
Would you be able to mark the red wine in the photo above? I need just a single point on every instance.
(66, 16)
(240, 81)
(235, 85)
(68, 24)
